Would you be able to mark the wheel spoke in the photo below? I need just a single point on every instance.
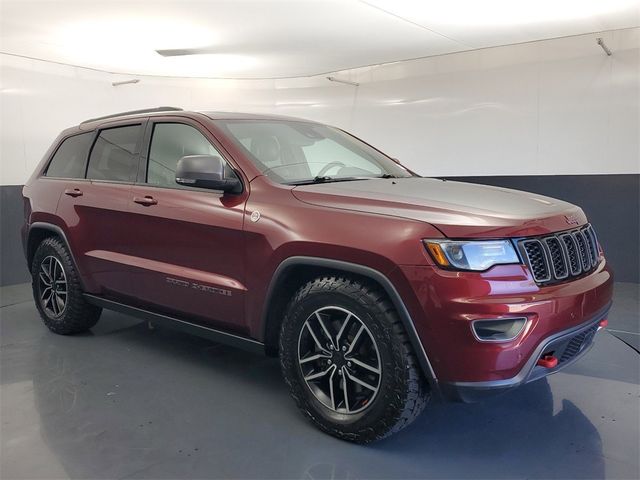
(44, 279)
(324, 329)
(44, 270)
(342, 328)
(46, 301)
(344, 389)
(315, 376)
(331, 395)
(59, 302)
(355, 340)
(54, 269)
(315, 339)
(44, 292)
(363, 365)
(361, 382)
(313, 358)
(50, 268)
(52, 302)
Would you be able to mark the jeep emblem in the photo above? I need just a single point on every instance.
(255, 216)
(572, 219)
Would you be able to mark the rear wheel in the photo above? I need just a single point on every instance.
(57, 291)
(348, 361)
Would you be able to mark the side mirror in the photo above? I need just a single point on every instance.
(205, 171)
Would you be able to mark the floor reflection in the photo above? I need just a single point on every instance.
(127, 402)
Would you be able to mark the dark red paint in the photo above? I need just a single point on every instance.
(135, 243)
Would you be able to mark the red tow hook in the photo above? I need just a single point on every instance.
(548, 361)
(604, 323)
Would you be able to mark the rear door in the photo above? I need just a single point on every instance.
(97, 209)
(188, 242)
(62, 181)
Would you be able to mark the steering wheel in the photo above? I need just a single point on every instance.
(328, 167)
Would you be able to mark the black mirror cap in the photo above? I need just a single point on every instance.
(205, 171)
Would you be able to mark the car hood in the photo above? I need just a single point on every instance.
(457, 209)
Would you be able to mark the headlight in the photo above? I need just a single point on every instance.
(478, 255)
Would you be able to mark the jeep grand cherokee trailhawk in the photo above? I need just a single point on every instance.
(376, 288)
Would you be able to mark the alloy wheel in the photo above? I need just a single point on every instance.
(339, 360)
(52, 286)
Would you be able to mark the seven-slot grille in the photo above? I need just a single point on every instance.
(561, 256)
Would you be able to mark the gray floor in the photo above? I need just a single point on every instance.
(127, 402)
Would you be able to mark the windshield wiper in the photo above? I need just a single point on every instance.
(387, 175)
(326, 179)
(322, 179)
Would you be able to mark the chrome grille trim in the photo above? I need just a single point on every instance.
(561, 256)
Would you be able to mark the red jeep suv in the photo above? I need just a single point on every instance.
(377, 288)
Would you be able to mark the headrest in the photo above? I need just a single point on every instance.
(266, 149)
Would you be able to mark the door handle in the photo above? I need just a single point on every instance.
(73, 192)
(147, 201)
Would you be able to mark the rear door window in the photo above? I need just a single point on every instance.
(70, 160)
(114, 156)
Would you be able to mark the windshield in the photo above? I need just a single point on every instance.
(298, 152)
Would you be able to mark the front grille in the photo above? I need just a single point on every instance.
(561, 256)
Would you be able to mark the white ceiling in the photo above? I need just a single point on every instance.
(269, 39)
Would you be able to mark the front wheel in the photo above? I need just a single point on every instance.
(348, 361)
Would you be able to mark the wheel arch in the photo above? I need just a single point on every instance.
(299, 269)
(38, 232)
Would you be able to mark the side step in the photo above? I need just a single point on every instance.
(181, 325)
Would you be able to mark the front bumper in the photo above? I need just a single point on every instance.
(444, 305)
(567, 346)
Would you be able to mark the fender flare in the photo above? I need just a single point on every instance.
(60, 233)
(367, 272)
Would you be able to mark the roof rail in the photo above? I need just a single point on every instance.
(135, 112)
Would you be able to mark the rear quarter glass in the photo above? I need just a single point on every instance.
(70, 159)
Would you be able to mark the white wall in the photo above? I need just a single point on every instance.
(550, 107)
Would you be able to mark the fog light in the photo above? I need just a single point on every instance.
(498, 330)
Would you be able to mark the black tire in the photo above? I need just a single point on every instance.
(402, 390)
(76, 315)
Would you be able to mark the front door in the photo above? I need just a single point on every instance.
(188, 243)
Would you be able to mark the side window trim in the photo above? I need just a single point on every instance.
(139, 144)
(143, 155)
(94, 139)
(143, 168)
